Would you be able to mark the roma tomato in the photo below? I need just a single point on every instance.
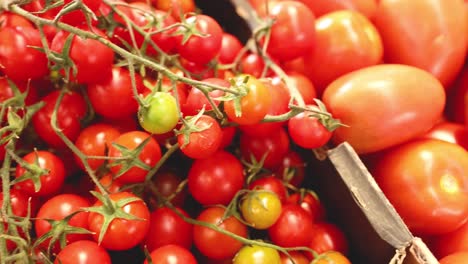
(293, 228)
(202, 49)
(291, 35)
(172, 254)
(450, 243)
(121, 234)
(393, 93)
(345, 41)
(322, 7)
(204, 141)
(88, 55)
(399, 24)
(72, 109)
(18, 59)
(59, 207)
(257, 255)
(216, 179)
(213, 244)
(450, 132)
(260, 208)
(95, 140)
(455, 258)
(254, 104)
(166, 228)
(160, 115)
(52, 179)
(146, 155)
(434, 177)
(113, 97)
(83, 252)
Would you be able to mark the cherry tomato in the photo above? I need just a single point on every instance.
(83, 252)
(122, 234)
(328, 237)
(230, 48)
(296, 257)
(450, 132)
(345, 41)
(204, 143)
(166, 228)
(196, 100)
(149, 155)
(270, 183)
(450, 243)
(455, 258)
(322, 7)
(8, 19)
(228, 134)
(202, 49)
(291, 34)
(98, 58)
(304, 85)
(177, 8)
(405, 42)
(161, 115)
(293, 228)
(254, 105)
(257, 255)
(332, 257)
(216, 179)
(95, 140)
(433, 174)
(213, 244)
(75, 17)
(71, 110)
(307, 131)
(261, 208)
(59, 207)
(393, 93)
(107, 181)
(18, 59)
(310, 203)
(19, 207)
(50, 182)
(172, 254)
(114, 97)
(292, 169)
(254, 65)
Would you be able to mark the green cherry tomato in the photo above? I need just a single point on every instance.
(253, 254)
(160, 115)
(261, 209)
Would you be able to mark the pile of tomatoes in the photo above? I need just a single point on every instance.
(143, 132)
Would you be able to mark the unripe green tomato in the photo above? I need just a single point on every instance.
(261, 208)
(253, 254)
(160, 115)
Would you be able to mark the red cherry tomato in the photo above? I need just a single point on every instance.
(230, 48)
(272, 184)
(172, 254)
(83, 252)
(201, 144)
(196, 100)
(328, 237)
(310, 203)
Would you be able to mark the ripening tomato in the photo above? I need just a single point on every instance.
(202, 49)
(322, 7)
(455, 258)
(59, 207)
(393, 93)
(204, 141)
(213, 244)
(292, 34)
(450, 243)
(434, 177)
(260, 208)
(142, 155)
(172, 254)
(439, 47)
(92, 59)
(50, 182)
(95, 140)
(83, 252)
(450, 132)
(19, 61)
(345, 41)
(216, 179)
(160, 114)
(72, 109)
(254, 254)
(121, 234)
(331, 257)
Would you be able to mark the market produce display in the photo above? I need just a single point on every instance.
(147, 132)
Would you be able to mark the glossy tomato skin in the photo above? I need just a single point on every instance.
(296, 257)
(291, 34)
(161, 113)
(450, 243)
(98, 58)
(71, 110)
(83, 252)
(50, 182)
(198, 49)
(293, 228)
(304, 85)
(149, 155)
(95, 140)
(433, 175)
(257, 255)
(172, 254)
(345, 41)
(307, 131)
(450, 132)
(196, 100)
(175, 7)
(59, 207)
(113, 97)
(168, 228)
(393, 94)
(270, 183)
(322, 7)
(8, 19)
(260, 209)
(122, 234)
(19, 60)
(328, 237)
(230, 48)
(406, 42)
(204, 143)
(455, 258)
(216, 179)
(310, 204)
(213, 244)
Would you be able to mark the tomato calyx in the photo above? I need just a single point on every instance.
(130, 158)
(190, 126)
(33, 171)
(62, 60)
(187, 29)
(240, 85)
(111, 210)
